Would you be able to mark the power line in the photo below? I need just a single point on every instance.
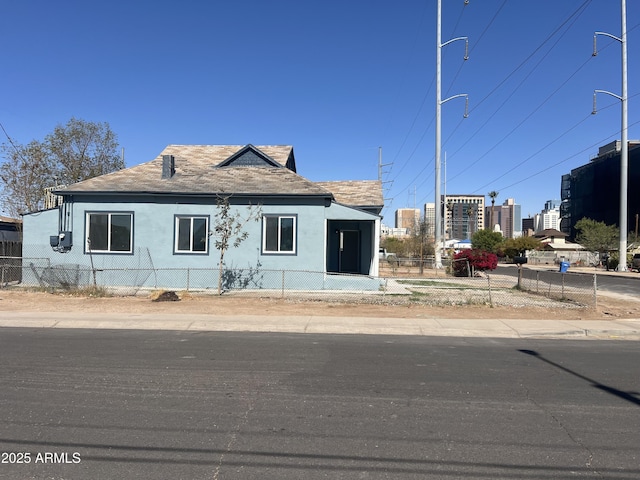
(593, 145)
(576, 13)
(502, 105)
(475, 44)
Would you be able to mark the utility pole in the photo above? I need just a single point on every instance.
(380, 166)
(439, 102)
(624, 148)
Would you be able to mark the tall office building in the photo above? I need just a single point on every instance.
(593, 190)
(528, 227)
(408, 218)
(430, 218)
(463, 215)
(549, 218)
(507, 218)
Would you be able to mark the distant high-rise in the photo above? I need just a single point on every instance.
(507, 217)
(593, 190)
(463, 215)
(549, 218)
(408, 218)
(430, 218)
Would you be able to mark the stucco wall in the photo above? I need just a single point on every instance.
(153, 237)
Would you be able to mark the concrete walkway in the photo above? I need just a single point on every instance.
(614, 329)
(627, 329)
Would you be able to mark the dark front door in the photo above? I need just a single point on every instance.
(349, 251)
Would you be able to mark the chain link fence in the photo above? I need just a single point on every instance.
(529, 288)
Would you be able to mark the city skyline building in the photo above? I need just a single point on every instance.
(408, 218)
(593, 189)
(507, 218)
(549, 218)
(430, 218)
(463, 215)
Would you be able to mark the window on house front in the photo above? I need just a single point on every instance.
(191, 234)
(109, 232)
(279, 234)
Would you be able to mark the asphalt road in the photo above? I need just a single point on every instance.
(101, 404)
(625, 285)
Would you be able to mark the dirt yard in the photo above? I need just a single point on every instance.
(228, 304)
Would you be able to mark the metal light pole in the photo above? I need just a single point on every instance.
(624, 150)
(439, 102)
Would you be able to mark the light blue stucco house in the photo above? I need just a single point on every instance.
(159, 217)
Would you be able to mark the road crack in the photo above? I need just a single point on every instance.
(558, 421)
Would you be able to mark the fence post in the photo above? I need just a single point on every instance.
(282, 294)
(188, 271)
(595, 290)
(562, 296)
(537, 282)
(489, 282)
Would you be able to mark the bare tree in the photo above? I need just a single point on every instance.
(83, 150)
(73, 152)
(228, 229)
(25, 173)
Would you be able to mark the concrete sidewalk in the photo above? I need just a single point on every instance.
(623, 329)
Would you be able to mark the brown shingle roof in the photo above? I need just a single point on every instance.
(550, 232)
(196, 173)
(356, 193)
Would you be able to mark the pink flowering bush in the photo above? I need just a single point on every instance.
(476, 259)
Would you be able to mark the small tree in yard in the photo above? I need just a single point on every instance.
(596, 236)
(228, 229)
(475, 260)
(513, 247)
(486, 240)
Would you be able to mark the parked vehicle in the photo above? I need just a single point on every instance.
(384, 255)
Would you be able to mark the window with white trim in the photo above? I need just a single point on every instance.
(109, 232)
(279, 234)
(191, 234)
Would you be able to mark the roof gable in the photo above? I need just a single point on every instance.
(550, 233)
(195, 171)
(249, 156)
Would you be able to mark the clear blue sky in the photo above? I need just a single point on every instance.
(335, 79)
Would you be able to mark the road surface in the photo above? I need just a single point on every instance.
(106, 404)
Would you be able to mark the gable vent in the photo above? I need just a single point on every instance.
(168, 166)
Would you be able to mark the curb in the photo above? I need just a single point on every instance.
(628, 329)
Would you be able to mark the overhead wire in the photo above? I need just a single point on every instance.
(532, 113)
(428, 127)
(595, 144)
(578, 12)
(586, 149)
(474, 45)
(407, 68)
(574, 16)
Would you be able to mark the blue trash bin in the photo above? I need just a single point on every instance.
(564, 266)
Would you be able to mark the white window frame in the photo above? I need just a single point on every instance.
(109, 214)
(191, 251)
(279, 250)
